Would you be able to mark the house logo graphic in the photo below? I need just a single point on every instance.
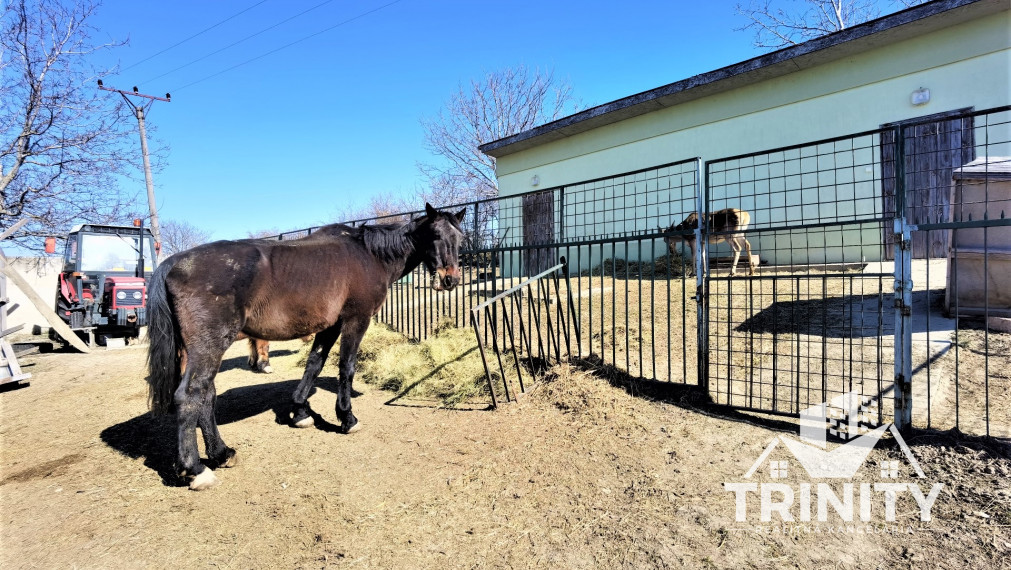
(849, 417)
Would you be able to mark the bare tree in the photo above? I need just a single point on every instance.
(62, 144)
(264, 234)
(179, 236)
(501, 104)
(783, 23)
(384, 209)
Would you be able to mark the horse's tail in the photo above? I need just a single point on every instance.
(163, 343)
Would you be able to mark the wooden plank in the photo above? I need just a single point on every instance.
(13, 369)
(46, 310)
(12, 330)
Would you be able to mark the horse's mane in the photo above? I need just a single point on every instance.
(386, 241)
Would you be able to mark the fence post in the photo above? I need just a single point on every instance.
(701, 275)
(903, 293)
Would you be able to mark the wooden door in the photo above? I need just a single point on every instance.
(538, 229)
(934, 146)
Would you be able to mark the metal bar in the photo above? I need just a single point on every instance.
(512, 344)
(498, 355)
(574, 315)
(903, 394)
(524, 336)
(701, 277)
(484, 358)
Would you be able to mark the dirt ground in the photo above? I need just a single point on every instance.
(587, 470)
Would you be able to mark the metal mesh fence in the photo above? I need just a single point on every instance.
(822, 317)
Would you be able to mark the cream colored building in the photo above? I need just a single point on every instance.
(938, 57)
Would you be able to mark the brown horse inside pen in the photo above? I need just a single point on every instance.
(330, 283)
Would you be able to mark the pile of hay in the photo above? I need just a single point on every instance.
(445, 367)
(663, 267)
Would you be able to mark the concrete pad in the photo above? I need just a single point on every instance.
(999, 324)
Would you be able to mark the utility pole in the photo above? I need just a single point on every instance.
(139, 111)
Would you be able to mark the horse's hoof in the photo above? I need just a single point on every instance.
(231, 459)
(305, 422)
(204, 480)
(267, 369)
(354, 428)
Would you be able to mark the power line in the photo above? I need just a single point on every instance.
(288, 45)
(175, 45)
(251, 36)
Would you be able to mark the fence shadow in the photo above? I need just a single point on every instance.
(982, 446)
(687, 396)
(851, 316)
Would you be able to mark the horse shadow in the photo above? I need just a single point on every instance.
(155, 439)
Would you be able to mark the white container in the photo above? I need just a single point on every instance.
(979, 260)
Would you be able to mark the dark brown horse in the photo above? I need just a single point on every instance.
(330, 283)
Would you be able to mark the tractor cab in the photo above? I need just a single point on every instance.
(103, 284)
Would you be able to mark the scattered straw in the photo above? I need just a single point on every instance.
(445, 367)
(663, 267)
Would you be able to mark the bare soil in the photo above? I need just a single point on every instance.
(589, 469)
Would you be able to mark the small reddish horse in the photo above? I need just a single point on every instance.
(329, 283)
(259, 353)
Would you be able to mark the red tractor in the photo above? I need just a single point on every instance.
(103, 286)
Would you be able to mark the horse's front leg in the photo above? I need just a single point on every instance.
(693, 244)
(321, 346)
(353, 333)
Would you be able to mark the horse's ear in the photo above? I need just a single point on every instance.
(430, 211)
(461, 214)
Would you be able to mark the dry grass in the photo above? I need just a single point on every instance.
(446, 367)
(662, 267)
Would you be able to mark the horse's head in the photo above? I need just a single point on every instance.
(438, 239)
(672, 239)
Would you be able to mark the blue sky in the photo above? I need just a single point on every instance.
(291, 139)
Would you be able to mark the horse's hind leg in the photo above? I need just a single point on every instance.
(353, 333)
(736, 246)
(321, 346)
(220, 454)
(751, 264)
(195, 407)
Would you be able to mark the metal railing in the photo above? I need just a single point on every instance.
(526, 334)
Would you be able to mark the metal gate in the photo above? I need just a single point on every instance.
(814, 322)
(841, 303)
